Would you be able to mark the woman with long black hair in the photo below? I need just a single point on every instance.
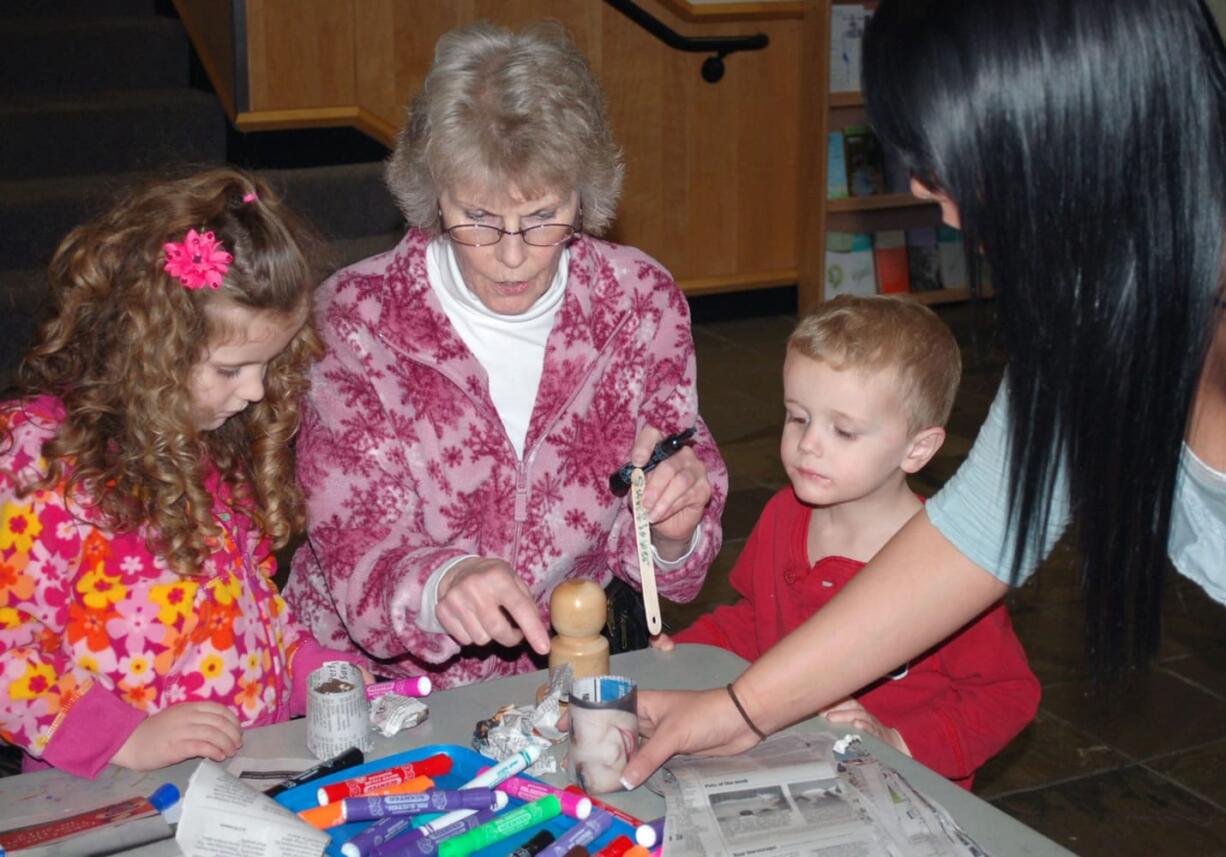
(1081, 146)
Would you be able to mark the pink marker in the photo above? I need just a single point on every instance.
(576, 806)
(415, 686)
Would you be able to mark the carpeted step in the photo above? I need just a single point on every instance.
(85, 55)
(77, 8)
(109, 132)
(343, 202)
(350, 250)
(23, 305)
(35, 214)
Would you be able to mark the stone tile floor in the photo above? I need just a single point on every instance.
(1142, 771)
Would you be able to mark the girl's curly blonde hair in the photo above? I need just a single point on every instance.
(120, 350)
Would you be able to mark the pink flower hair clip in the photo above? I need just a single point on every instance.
(198, 260)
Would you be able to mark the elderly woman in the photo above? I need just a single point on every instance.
(484, 378)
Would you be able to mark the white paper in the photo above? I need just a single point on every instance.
(846, 37)
(223, 817)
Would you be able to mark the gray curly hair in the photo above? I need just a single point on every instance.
(507, 109)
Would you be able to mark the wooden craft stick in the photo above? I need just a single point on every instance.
(647, 566)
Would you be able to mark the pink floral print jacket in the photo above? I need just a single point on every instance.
(96, 633)
(406, 464)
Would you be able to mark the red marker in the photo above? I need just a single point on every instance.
(617, 848)
(611, 810)
(431, 766)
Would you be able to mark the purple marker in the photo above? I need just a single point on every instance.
(425, 839)
(415, 686)
(370, 840)
(583, 833)
(576, 806)
(434, 800)
(650, 834)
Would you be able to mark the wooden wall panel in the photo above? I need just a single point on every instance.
(301, 53)
(713, 181)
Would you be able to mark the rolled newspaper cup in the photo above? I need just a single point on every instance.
(338, 713)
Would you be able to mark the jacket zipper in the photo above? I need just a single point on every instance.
(522, 493)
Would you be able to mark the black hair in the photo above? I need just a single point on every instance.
(1083, 143)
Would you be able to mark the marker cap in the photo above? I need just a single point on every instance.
(164, 797)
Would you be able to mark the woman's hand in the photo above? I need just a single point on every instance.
(183, 731)
(483, 600)
(675, 496)
(699, 723)
(851, 713)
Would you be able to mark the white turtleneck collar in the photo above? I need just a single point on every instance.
(511, 348)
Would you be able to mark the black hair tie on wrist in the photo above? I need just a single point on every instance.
(732, 693)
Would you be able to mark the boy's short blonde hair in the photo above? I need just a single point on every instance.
(880, 333)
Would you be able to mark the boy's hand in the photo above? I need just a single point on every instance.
(851, 713)
(662, 642)
(183, 731)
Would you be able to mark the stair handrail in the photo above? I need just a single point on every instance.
(720, 46)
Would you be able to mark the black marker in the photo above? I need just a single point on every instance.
(619, 482)
(535, 845)
(349, 758)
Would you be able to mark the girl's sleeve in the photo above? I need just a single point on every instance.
(670, 403)
(50, 706)
(972, 509)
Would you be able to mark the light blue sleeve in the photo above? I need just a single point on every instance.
(972, 509)
(1198, 525)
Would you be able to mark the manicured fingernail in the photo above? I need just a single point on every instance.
(626, 784)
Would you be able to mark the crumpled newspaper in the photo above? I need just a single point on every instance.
(392, 712)
(515, 727)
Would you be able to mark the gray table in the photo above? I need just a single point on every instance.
(453, 714)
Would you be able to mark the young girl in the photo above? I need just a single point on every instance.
(144, 477)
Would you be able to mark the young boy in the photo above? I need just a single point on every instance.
(868, 385)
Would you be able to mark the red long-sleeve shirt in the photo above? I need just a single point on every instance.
(956, 707)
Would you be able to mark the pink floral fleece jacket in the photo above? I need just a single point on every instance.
(97, 634)
(406, 464)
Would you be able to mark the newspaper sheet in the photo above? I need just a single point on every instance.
(795, 796)
(223, 817)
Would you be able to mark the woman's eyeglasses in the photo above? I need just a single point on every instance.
(480, 235)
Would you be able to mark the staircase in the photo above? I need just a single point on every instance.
(97, 95)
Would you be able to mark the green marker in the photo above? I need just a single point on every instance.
(508, 824)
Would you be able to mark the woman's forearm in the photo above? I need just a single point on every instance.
(916, 592)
